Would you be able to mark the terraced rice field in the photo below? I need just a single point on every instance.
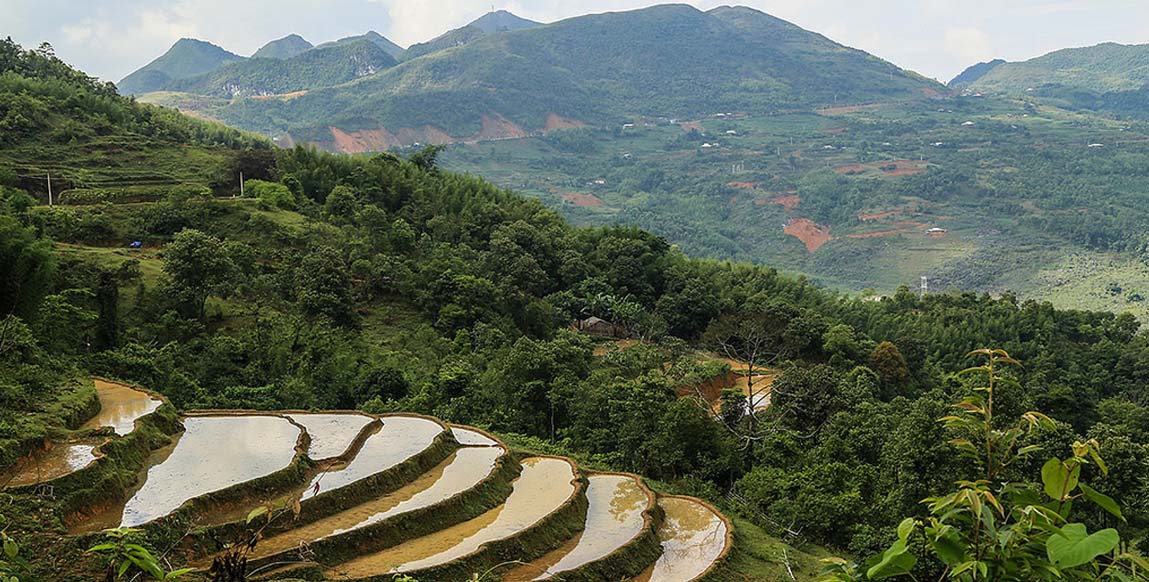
(397, 493)
(121, 406)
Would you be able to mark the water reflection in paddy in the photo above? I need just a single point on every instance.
(400, 438)
(331, 434)
(692, 537)
(120, 407)
(468, 437)
(56, 462)
(213, 453)
(462, 471)
(544, 485)
(614, 517)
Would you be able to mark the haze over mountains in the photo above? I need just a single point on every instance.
(483, 81)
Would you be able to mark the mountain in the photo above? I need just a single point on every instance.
(284, 48)
(490, 23)
(1100, 69)
(975, 72)
(672, 61)
(379, 40)
(318, 67)
(502, 21)
(188, 57)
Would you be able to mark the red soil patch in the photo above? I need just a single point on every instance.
(580, 199)
(743, 185)
(427, 135)
(761, 202)
(691, 125)
(788, 201)
(835, 130)
(851, 169)
(556, 122)
(363, 140)
(495, 126)
(811, 234)
(878, 215)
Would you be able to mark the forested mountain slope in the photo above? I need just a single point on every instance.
(1103, 68)
(188, 57)
(390, 284)
(283, 48)
(318, 67)
(672, 61)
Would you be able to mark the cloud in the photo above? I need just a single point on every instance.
(970, 44)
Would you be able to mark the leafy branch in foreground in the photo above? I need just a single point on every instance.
(125, 557)
(990, 530)
(13, 567)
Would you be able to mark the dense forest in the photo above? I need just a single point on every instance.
(388, 284)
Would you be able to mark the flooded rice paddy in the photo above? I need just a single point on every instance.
(693, 537)
(46, 465)
(400, 438)
(613, 519)
(472, 438)
(213, 453)
(462, 471)
(544, 486)
(120, 407)
(331, 434)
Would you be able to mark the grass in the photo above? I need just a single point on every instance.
(761, 557)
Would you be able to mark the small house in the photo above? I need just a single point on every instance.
(600, 327)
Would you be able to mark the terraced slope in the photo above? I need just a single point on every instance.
(371, 496)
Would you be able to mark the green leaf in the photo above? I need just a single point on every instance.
(948, 548)
(895, 561)
(11, 549)
(177, 573)
(255, 513)
(905, 528)
(1106, 502)
(1073, 546)
(1059, 479)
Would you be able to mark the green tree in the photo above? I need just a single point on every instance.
(198, 267)
(27, 269)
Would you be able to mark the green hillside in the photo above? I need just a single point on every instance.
(379, 40)
(490, 23)
(396, 287)
(318, 67)
(672, 61)
(975, 72)
(284, 48)
(188, 57)
(1104, 68)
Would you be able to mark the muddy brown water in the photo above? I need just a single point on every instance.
(400, 438)
(59, 461)
(614, 517)
(693, 537)
(213, 453)
(462, 471)
(120, 407)
(331, 434)
(544, 485)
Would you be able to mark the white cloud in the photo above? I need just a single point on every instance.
(972, 45)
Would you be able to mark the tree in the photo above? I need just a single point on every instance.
(990, 530)
(323, 286)
(27, 269)
(198, 267)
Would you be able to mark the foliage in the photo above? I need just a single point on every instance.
(990, 529)
(126, 557)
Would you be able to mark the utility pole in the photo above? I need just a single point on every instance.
(241, 194)
(925, 285)
(49, 188)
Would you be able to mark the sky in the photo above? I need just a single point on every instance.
(937, 38)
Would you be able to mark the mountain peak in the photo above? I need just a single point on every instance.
(502, 21)
(379, 40)
(283, 48)
(188, 57)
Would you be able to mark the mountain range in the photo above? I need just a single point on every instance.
(483, 81)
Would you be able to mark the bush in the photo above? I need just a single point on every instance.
(272, 194)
